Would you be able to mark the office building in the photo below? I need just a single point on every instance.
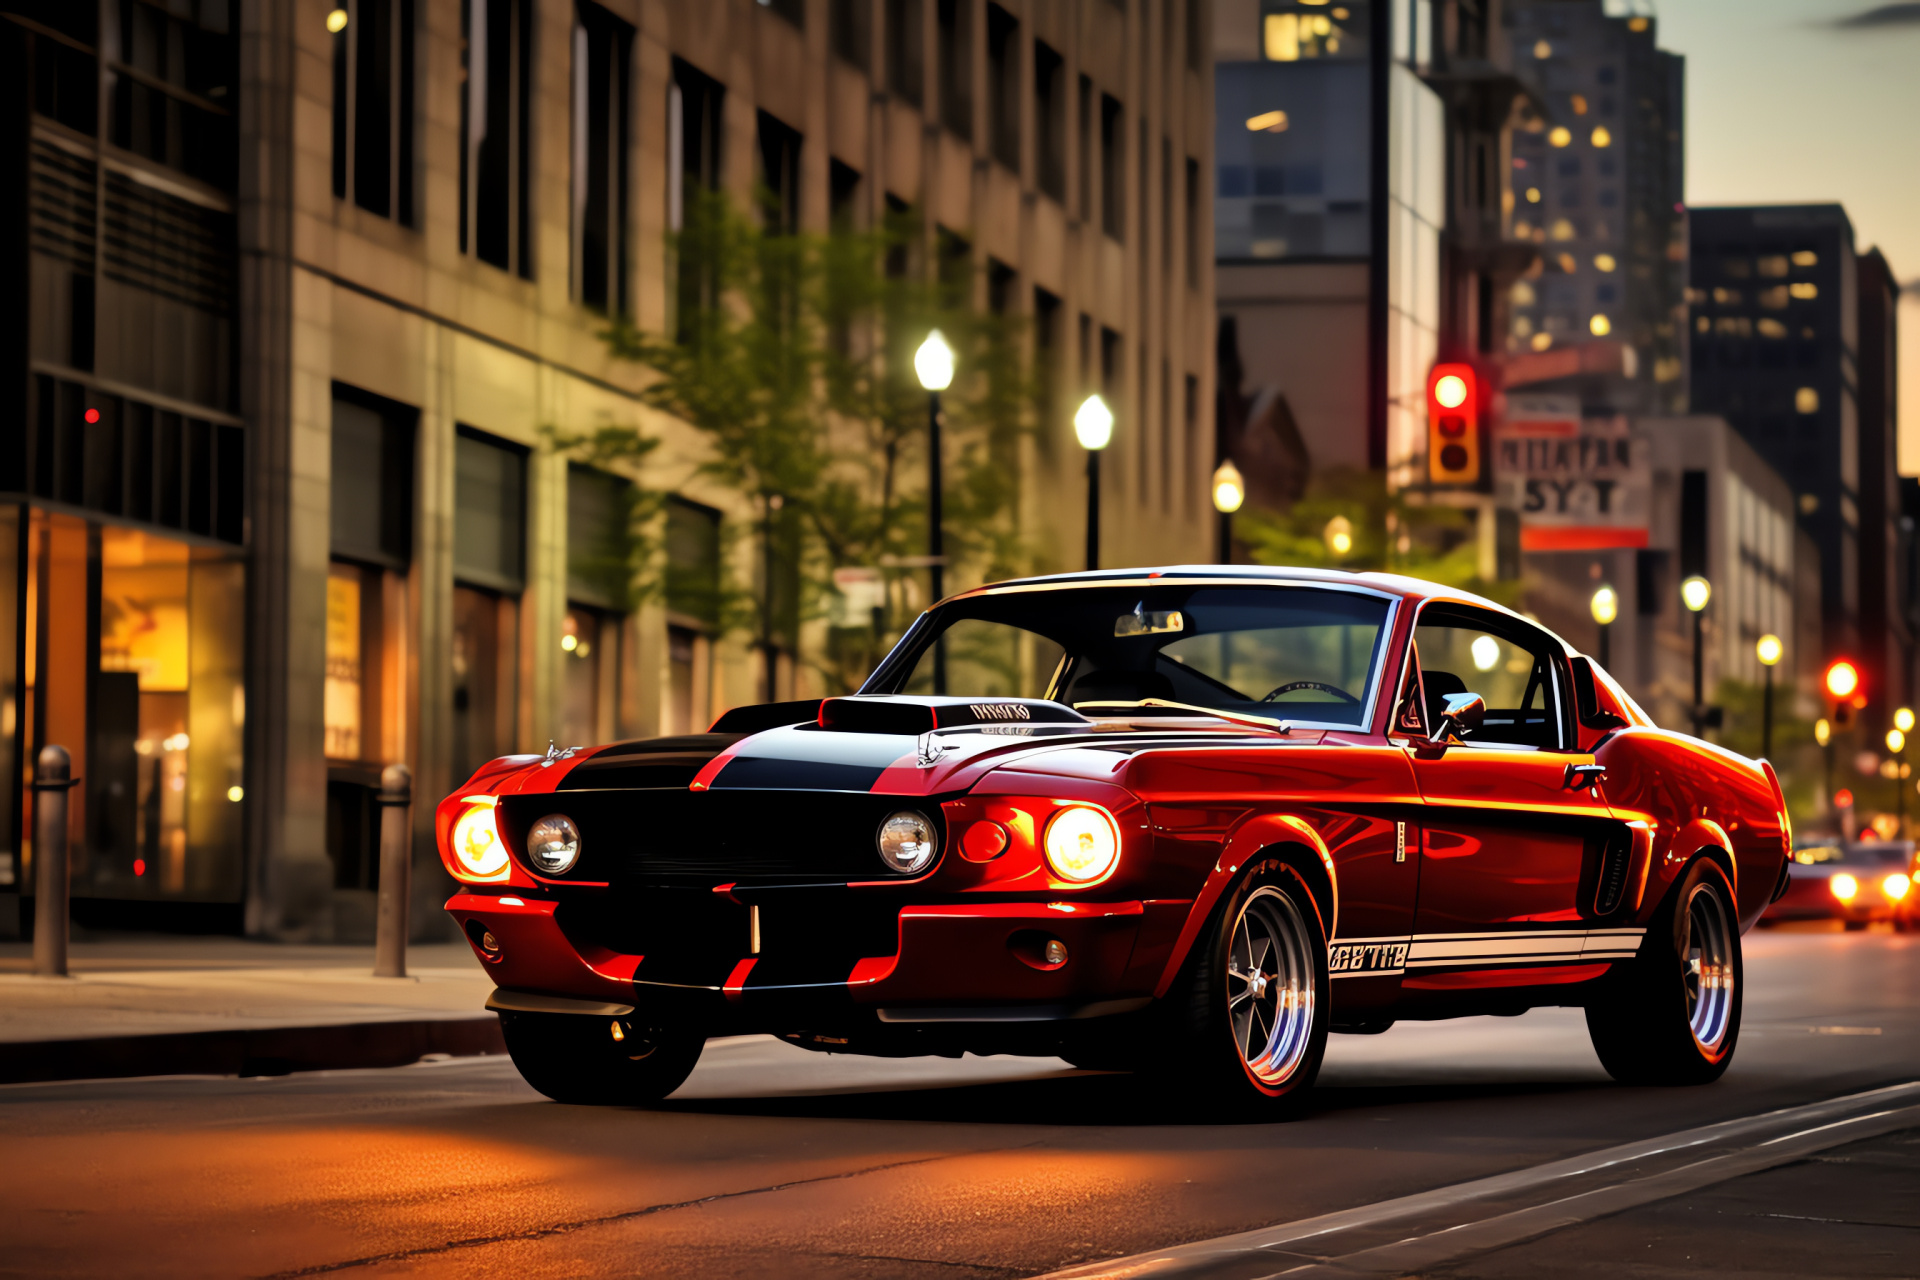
(300, 288)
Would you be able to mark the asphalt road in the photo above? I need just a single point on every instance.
(772, 1161)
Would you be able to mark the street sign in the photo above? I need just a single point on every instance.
(1579, 484)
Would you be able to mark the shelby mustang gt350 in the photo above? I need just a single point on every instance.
(1185, 821)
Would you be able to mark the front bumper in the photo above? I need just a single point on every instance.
(943, 963)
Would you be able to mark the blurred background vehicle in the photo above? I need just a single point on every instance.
(1855, 882)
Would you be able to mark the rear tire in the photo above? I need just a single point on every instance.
(576, 1059)
(1251, 1021)
(1671, 1016)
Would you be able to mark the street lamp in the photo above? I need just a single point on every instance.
(1605, 607)
(1694, 593)
(1823, 734)
(1229, 494)
(1897, 747)
(933, 365)
(1339, 535)
(1768, 649)
(1093, 428)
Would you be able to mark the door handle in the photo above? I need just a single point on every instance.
(1579, 777)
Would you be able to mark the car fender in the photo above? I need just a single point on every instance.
(1245, 842)
(1700, 838)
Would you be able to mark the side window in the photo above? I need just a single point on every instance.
(1508, 664)
(975, 658)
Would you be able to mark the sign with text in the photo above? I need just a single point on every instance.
(1579, 484)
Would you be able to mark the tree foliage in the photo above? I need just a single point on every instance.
(792, 356)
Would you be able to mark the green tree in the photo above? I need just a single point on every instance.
(794, 360)
(1383, 532)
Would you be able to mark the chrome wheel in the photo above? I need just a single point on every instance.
(1270, 988)
(1708, 968)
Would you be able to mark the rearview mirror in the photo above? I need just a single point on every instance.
(1461, 714)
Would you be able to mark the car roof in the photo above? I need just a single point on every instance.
(1390, 583)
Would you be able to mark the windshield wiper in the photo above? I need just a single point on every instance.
(1234, 717)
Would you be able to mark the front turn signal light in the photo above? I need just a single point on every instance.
(1844, 887)
(479, 854)
(1083, 843)
(1895, 886)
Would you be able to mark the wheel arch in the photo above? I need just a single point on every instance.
(1284, 836)
(1699, 839)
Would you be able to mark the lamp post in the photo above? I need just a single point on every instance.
(1768, 649)
(1093, 428)
(933, 365)
(1605, 607)
(1694, 593)
(1823, 734)
(1897, 748)
(1229, 493)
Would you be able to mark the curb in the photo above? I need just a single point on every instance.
(268, 1051)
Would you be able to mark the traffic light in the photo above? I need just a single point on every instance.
(1453, 425)
(1842, 685)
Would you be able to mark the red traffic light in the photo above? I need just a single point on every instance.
(1842, 680)
(1453, 424)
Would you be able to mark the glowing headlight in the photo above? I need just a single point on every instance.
(1844, 887)
(906, 842)
(553, 844)
(1082, 843)
(478, 851)
(1895, 886)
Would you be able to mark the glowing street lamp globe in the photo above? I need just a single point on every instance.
(1093, 424)
(933, 363)
(1695, 592)
(1768, 649)
(1229, 488)
(1605, 606)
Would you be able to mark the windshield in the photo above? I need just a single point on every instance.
(1302, 654)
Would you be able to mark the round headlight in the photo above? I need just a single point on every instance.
(1082, 843)
(553, 844)
(477, 847)
(906, 842)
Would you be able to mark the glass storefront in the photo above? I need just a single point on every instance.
(133, 660)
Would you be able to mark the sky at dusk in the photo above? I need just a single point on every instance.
(1812, 101)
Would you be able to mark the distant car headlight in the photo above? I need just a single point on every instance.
(553, 844)
(906, 842)
(1844, 887)
(1895, 886)
(1082, 843)
(478, 851)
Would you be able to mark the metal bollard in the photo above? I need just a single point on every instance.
(50, 901)
(396, 872)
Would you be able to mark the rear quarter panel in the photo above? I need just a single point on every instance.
(1695, 796)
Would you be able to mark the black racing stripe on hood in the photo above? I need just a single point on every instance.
(654, 762)
(795, 775)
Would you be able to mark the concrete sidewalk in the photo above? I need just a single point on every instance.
(227, 1006)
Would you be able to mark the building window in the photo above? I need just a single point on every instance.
(602, 59)
(1195, 227)
(843, 196)
(794, 11)
(1050, 121)
(496, 222)
(1190, 461)
(489, 503)
(1046, 349)
(851, 37)
(693, 611)
(373, 70)
(1003, 86)
(590, 675)
(906, 74)
(1001, 279)
(173, 69)
(1167, 183)
(1085, 131)
(1196, 35)
(780, 174)
(1112, 168)
(694, 131)
(954, 41)
(485, 663)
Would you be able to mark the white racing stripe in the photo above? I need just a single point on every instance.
(1512, 948)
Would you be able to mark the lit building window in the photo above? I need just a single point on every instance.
(1806, 400)
(1282, 37)
(1566, 263)
(1562, 229)
(1805, 258)
(1522, 294)
(1543, 50)
(1771, 328)
(1774, 299)
(1541, 341)
(1560, 136)
(1268, 122)
(1728, 297)
(1533, 195)
(1602, 137)
(1804, 290)
(1774, 264)
(1600, 325)
(1702, 324)
(1604, 262)
(1579, 103)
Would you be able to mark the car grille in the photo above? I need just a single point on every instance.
(699, 839)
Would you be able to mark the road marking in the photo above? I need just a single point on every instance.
(1759, 1142)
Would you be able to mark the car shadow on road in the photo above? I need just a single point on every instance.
(1092, 1099)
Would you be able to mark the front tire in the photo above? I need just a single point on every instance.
(1254, 1012)
(576, 1059)
(1671, 1016)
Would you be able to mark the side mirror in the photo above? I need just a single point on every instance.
(1460, 714)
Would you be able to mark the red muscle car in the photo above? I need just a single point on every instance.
(1185, 820)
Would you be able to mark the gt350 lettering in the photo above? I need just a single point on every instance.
(1367, 957)
(1002, 711)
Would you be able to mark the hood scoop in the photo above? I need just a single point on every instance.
(911, 717)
